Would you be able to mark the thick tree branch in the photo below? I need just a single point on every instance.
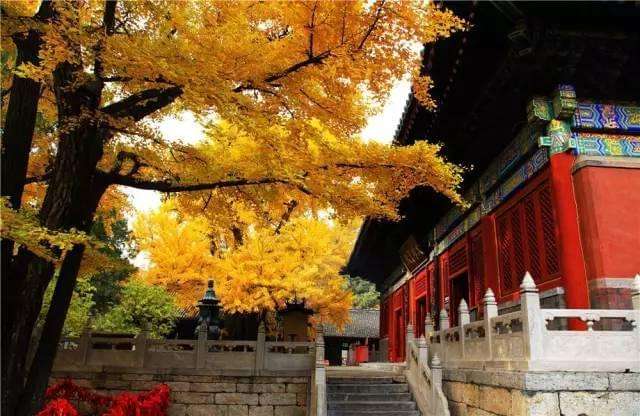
(121, 78)
(286, 215)
(173, 186)
(143, 103)
(312, 27)
(373, 25)
(314, 60)
(108, 23)
(134, 158)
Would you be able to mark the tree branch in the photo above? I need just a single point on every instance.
(143, 103)
(108, 23)
(373, 25)
(173, 186)
(312, 26)
(314, 60)
(287, 214)
(134, 158)
(122, 78)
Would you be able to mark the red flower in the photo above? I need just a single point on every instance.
(151, 403)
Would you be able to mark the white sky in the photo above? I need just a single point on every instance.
(380, 127)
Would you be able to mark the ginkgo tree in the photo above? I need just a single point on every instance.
(298, 262)
(289, 84)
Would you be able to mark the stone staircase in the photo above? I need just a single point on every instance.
(373, 394)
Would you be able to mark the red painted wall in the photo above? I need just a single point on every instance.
(608, 202)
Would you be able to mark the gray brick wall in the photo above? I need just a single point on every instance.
(194, 394)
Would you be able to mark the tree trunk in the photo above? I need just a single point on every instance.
(30, 269)
(38, 379)
(42, 364)
(70, 202)
(21, 113)
(17, 136)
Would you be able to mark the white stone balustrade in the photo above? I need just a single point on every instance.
(258, 357)
(425, 380)
(524, 340)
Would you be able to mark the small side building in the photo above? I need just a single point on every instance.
(357, 342)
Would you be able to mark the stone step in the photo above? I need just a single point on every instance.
(365, 388)
(366, 380)
(371, 406)
(370, 413)
(369, 397)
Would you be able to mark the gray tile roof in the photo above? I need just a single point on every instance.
(364, 323)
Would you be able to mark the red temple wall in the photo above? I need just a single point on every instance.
(608, 200)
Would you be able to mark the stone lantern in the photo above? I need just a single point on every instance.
(209, 312)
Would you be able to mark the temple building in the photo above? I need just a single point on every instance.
(540, 101)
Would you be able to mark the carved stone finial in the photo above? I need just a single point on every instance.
(528, 285)
(443, 314)
(636, 285)
(435, 362)
(422, 342)
(463, 308)
(489, 297)
(427, 319)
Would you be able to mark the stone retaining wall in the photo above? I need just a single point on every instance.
(495, 393)
(194, 393)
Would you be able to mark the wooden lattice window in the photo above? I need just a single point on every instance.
(527, 239)
(420, 285)
(458, 260)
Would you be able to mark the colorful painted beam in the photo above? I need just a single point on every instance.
(562, 115)
(594, 116)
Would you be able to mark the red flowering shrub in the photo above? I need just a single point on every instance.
(59, 397)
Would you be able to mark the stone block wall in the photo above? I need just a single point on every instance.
(195, 393)
(495, 393)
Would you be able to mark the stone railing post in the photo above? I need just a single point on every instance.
(436, 378)
(444, 320)
(463, 319)
(532, 323)
(261, 347)
(490, 311)
(423, 352)
(444, 325)
(201, 346)
(320, 376)
(635, 294)
(410, 337)
(463, 313)
(408, 343)
(84, 345)
(428, 326)
(141, 344)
